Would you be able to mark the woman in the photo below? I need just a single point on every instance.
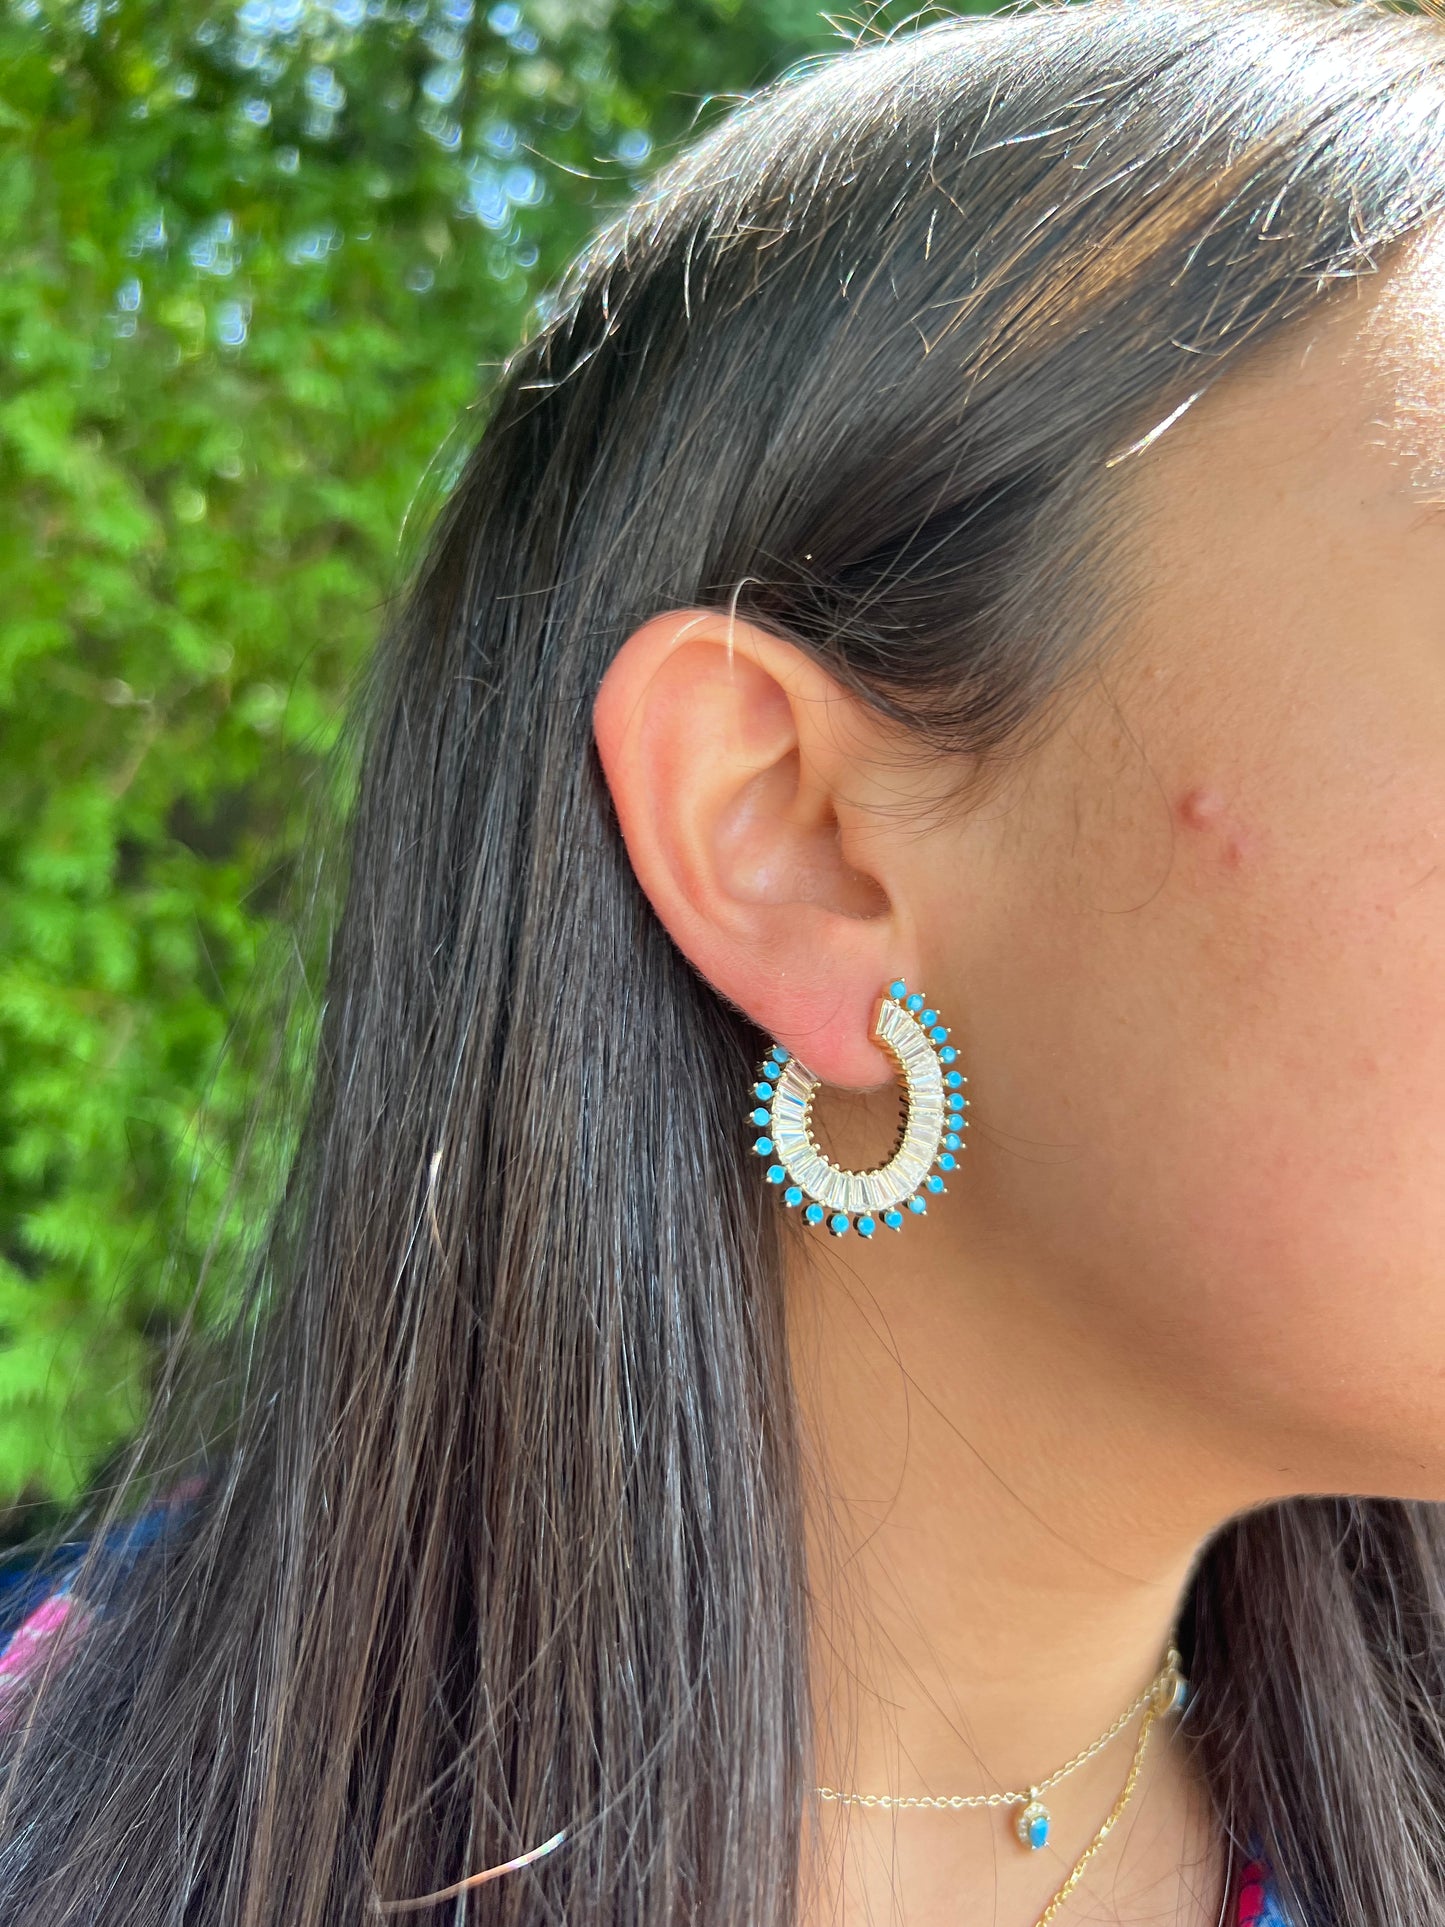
(972, 528)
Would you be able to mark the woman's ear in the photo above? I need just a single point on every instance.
(737, 768)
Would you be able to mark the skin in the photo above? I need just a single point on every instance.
(1192, 947)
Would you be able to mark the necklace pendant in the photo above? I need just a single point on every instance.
(1031, 1824)
(1171, 1689)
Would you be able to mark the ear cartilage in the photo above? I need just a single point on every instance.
(930, 1140)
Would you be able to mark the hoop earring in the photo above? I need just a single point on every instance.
(931, 1132)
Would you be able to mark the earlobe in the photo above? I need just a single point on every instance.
(726, 753)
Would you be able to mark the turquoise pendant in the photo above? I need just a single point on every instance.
(1032, 1825)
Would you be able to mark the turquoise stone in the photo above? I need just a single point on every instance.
(893, 1219)
(952, 1141)
(762, 1146)
(814, 1214)
(952, 1079)
(776, 1174)
(1032, 1826)
(792, 1196)
(915, 1002)
(955, 1100)
(928, 1017)
(920, 1205)
(773, 1071)
(781, 1054)
(764, 1091)
(760, 1116)
(948, 1053)
(935, 1184)
(838, 1223)
(898, 988)
(946, 1161)
(866, 1227)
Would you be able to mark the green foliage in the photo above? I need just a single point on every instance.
(257, 261)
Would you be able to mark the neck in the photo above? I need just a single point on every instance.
(999, 1551)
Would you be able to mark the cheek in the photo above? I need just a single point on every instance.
(1296, 1139)
(1240, 1167)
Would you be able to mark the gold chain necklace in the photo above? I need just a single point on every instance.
(1165, 1693)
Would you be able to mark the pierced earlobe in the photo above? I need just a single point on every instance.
(931, 1135)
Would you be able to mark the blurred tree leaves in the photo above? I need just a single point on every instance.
(255, 262)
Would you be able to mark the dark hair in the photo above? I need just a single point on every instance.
(503, 1525)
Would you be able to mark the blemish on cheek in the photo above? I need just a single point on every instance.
(1205, 808)
(1200, 809)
